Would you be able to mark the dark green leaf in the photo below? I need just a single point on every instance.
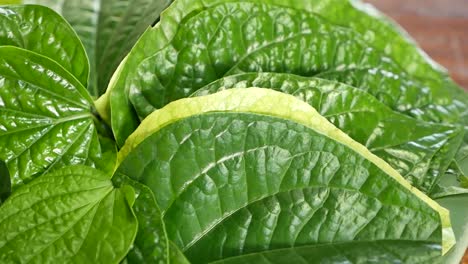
(248, 171)
(428, 101)
(108, 29)
(420, 151)
(42, 31)
(72, 215)
(5, 182)
(380, 31)
(225, 39)
(151, 244)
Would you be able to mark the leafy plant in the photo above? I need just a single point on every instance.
(108, 30)
(230, 132)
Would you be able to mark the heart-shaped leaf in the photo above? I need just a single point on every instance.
(46, 117)
(72, 215)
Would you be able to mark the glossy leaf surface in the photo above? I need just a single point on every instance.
(225, 39)
(41, 30)
(386, 35)
(72, 215)
(246, 171)
(428, 101)
(108, 29)
(9, 2)
(45, 117)
(151, 244)
(375, 27)
(420, 151)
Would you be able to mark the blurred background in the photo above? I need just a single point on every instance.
(439, 26)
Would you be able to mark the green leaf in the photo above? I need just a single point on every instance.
(420, 151)
(382, 252)
(386, 35)
(173, 60)
(5, 183)
(381, 32)
(249, 171)
(108, 29)
(454, 182)
(9, 2)
(459, 220)
(462, 158)
(176, 255)
(108, 157)
(72, 215)
(46, 120)
(151, 244)
(428, 101)
(41, 30)
(377, 29)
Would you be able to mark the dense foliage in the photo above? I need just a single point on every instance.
(225, 131)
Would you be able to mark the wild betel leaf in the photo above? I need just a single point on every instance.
(108, 30)
(196, 51)
(41, 30)
(420, 151)
(72, 215)
(254, 171)
(242, 175)
(46, 118)
(152, 244)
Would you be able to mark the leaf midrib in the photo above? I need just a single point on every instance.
(225, 216)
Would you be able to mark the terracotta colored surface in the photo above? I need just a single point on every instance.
(439, 26)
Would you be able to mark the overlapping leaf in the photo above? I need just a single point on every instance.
(46, 118)
(428, 101)
(240, 176)
(152, 244)
(225, 39)
(43, 31)
(73, 215)
(255, 172)
(383, 252)
(108, 29)
(420, 151)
